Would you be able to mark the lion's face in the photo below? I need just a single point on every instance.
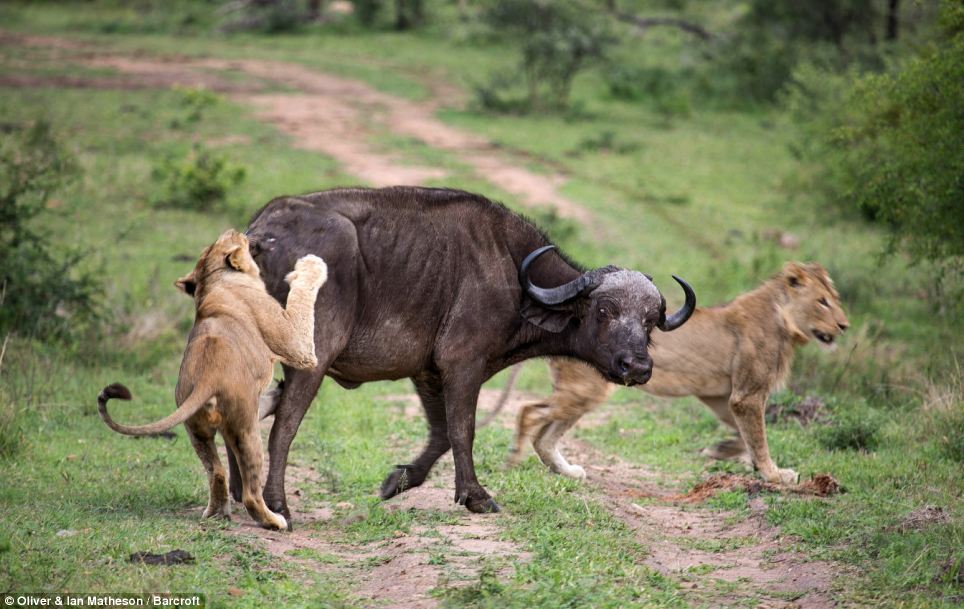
(228, 254)
(814, 305)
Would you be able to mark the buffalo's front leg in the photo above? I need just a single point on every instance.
(461, 397)
(299, 390)
(404, 477)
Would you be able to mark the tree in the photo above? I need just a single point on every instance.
(557, 38)
(893, 147)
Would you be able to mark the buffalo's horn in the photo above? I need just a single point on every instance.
(550, 296)
(678, 318)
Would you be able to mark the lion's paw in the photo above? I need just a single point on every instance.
(574, 471)
(309, 269)
(784, 476)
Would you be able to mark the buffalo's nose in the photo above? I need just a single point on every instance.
(634, 370)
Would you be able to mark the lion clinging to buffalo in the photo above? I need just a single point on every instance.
(239, 332)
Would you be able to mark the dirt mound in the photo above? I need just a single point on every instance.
(923, 517)
(821, 485)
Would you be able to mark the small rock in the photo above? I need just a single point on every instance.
(66, 533)
(235, 591)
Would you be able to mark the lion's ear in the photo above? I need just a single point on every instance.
(795, 274)
(236, 260)
(187, 284)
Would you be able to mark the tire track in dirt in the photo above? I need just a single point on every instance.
(330, 114)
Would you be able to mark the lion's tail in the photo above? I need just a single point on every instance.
(191, 405)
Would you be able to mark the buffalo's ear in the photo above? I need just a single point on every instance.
(550, 320)
(187, 284)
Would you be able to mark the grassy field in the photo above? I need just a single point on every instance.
(698, 195)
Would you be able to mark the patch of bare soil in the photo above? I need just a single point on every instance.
(334, 115)
(402, 571)
(703, 548)
(413, 564)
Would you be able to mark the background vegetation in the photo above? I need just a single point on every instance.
(713, 139)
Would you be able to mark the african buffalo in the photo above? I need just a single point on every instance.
(443, 287)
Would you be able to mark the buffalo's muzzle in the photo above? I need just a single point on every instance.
(633, 370)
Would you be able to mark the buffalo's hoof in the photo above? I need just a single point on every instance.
(483, 506)
(397, 482)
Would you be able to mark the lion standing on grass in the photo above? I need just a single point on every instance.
(730, 356)
(239, 333)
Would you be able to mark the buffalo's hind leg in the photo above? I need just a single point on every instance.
(299, 390)
(404, 477)
(461, 398)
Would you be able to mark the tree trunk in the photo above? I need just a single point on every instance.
(314, 9)
(408, 14)
(892, 17)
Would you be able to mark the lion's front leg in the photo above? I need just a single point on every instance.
(292, 336)
(749, 413)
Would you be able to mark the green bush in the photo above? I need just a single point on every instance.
(267, 17)
(774, 36)
(557, 39)
(11, 424)
(853, 427)
(664, 90)
(41, 291)
(201, 180)
(951, 433)
(889, 146)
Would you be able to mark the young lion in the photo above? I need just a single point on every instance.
(239, 333)
(730, 357)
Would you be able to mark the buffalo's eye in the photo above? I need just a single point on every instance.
(603, 313)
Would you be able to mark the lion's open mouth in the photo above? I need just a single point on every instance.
(823, 337)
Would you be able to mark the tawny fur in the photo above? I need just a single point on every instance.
(731, 357)
(239, 333)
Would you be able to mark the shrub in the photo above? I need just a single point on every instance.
(854, 427)
(201, 180)
(11, 424)
(194, 102)
(661, 88)
(951, 433)
(888, 145)
(774, 36)
(558, 39)
(41, 291)
(367, 11)
(265, 16)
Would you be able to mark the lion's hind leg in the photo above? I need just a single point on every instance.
(731, 449)
(531, 420)
(202, 438)
(245, 442)
(546, 446)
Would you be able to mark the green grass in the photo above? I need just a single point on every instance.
(688, 195)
